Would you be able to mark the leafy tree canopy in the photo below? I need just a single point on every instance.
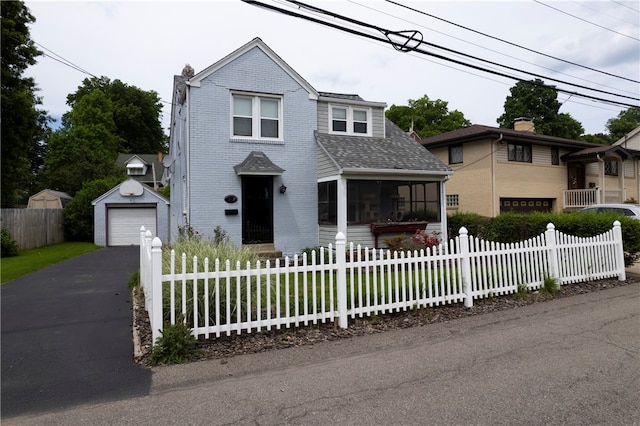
(136, 114)
(24, 126)
(535, 101)
(426, 117)
(85, 149)
(625, 122)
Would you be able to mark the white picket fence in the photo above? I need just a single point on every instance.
(336, 284)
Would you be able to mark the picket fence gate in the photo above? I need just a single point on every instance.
(335, 284)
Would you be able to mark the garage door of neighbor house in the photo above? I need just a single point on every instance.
(124, 224)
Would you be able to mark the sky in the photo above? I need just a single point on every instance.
(591, 48)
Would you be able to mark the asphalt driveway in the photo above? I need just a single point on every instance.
(66, 335)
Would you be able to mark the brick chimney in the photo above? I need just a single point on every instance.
(524, 124)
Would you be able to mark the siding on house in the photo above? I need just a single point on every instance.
(377, 117)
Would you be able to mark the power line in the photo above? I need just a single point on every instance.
(63, 60)
(588, 22)
(409, 41)
(624, 5)
(510, 43)
(499, 52)
(606, 14)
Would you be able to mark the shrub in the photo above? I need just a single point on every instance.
(513, 227)
(9, 245)
(78, 213)
(176, 345)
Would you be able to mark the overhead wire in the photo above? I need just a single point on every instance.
(510, 43)
(584, 20)
(496, 51)
(407, 42)
(636, 24)
(624, 5)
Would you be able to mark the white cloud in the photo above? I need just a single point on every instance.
(146, 43)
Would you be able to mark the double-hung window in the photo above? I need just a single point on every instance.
(256, 117)
(349, 120)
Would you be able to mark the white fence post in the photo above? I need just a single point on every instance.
(156, 289)
(550, 242)
(143, 264)
(341, 279)
(465, 266)
(617, 237)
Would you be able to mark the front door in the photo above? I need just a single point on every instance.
(257, 209)
(576, 176)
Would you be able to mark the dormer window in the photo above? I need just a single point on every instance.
(350, 120)
(136, 168)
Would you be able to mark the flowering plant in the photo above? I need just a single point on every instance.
(424, 240)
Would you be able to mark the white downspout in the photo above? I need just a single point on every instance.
(600, 193)
(187, 145)
(443, 211)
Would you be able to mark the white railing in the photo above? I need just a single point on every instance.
(220, 298)
(577, 198)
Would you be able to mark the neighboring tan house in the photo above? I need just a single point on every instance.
(48, 199)
(145, 168)
(499, 170)
(258, 152)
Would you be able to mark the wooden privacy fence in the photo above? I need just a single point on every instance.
(216, 297)
(33, 228)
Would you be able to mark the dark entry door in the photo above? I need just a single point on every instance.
(257, 209)
(576, 176)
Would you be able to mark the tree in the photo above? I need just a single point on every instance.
(426, 117)
(625, 122)
(536, 101)
(136, 114)
(85, 148)
(78, 213)
(24, 126)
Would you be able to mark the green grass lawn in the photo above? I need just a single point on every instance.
(35, 259)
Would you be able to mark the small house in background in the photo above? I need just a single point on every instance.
(48, 199)
(145, 168)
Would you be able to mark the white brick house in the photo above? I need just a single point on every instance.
(252, 143)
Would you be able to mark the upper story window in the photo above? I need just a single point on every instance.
(136, 168)
(349, 120)
(455, 154)
(520, 152)
(257, 117)
(555, 155)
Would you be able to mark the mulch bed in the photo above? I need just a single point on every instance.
(229, 346)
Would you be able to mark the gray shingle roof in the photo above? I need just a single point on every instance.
(257, 163)
(396, 151)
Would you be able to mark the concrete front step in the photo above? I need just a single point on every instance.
(265, 251)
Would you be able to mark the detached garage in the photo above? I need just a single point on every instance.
(120, 212)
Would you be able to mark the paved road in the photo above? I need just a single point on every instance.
(66, 335)
(571, 361)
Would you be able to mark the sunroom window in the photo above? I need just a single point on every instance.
(381, 201)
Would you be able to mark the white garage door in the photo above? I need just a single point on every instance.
(124, 225)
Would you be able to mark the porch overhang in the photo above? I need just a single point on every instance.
(594, 154)
(258, 164)
(397, 174)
